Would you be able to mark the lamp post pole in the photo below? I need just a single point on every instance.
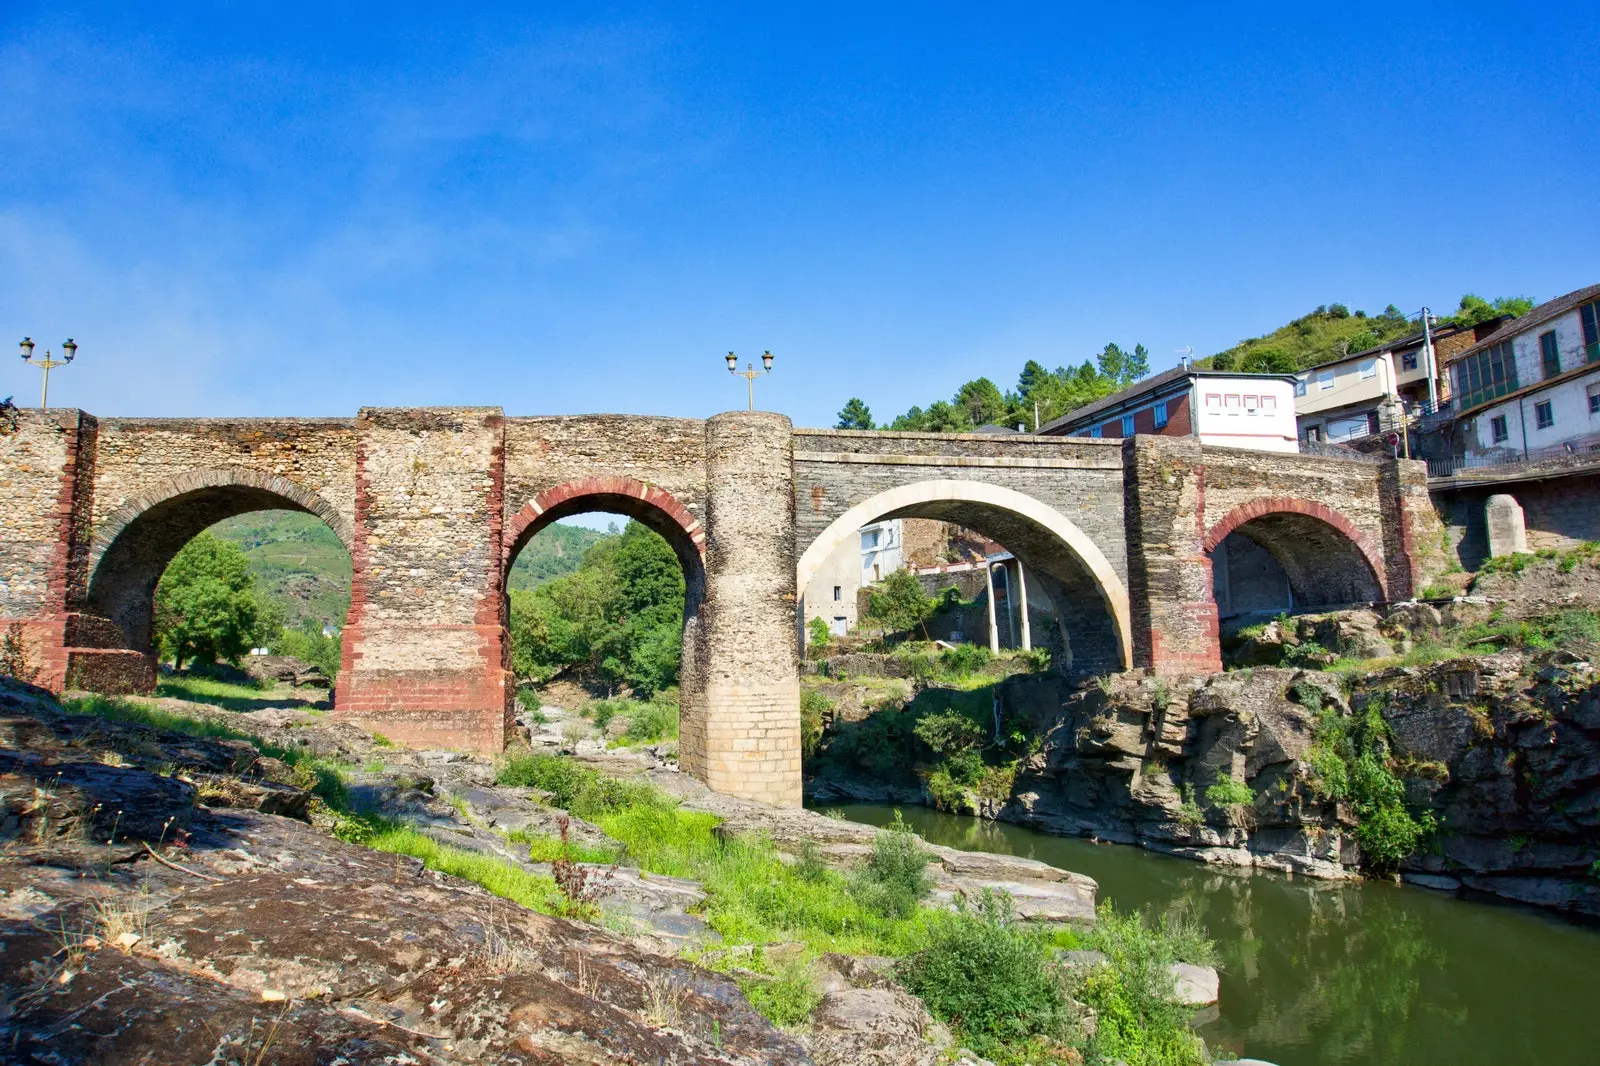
(47, 364)
(750, 373)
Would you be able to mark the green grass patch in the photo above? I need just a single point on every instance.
(508, 881)
(542, 847)
(228, 695)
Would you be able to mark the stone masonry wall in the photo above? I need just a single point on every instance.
(425, 652)
(749, 742)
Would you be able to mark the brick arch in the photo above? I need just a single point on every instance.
(648, 503)
(1286, 505)
(252, 482)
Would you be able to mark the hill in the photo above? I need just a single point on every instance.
(301, 564)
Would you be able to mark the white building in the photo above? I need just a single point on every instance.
(1532, 388)
(855, 564)
(1220, 407)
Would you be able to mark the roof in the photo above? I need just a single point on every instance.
(1158, 383)
(1537, 317)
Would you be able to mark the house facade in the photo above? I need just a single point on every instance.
(1531, 389)
(1220, 407)
(832, 592)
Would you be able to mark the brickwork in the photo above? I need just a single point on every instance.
(424, 648)
(749, 741)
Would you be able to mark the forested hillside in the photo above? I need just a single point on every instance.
(556, 552)
(298, 563)
(1330, 332)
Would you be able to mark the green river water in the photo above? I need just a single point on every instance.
(1320, 972)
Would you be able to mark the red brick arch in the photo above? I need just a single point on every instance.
(624, 495)
(1270, 505)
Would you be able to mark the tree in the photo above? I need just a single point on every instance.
(1475, 310)
(206, 607)
(855, 415)
(981, 401)
(899, 604)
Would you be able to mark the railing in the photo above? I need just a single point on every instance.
(1577, 451)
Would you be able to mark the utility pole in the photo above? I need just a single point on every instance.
(1427, 355)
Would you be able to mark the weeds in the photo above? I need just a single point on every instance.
(786, 998)
(893, 880)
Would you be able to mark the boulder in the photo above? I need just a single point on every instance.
(1193, 986)
(871, 1027)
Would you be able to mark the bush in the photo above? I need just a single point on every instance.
(786, 999)
(814, 706)
(1138, 1022)
(1229, 791)
(1351, 759)
(988, 977)
(651, 722)
(532, 705)
(964, 660)
(817, 630)
(893, 880)
(949, 733)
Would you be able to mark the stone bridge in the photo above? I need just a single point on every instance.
(435, 503)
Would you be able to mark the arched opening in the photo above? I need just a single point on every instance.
(218, 565)
(603, 617)
(1042, 557)
(1273, 556)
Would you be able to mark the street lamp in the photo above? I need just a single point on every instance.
(750, 373)
(70, 352)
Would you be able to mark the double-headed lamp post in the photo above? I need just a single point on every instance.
(750, 373)
(69, 352)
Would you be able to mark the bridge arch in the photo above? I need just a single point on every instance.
(133, 545)
(1043, 538)
(1325, 556)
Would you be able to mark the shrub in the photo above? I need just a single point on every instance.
(786, 999)
(651, 722)
(1350, 756)
(949, 733)
(814, 706)
(893, 880)
(1138, 1022)
(532, 705)
(818, 632)
(989, 977)
(964, 660)
(1229, 791)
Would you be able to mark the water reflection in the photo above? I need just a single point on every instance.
(1318, 972)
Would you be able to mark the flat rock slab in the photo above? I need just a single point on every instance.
(1194, 986)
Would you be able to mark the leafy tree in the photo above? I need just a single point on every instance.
(982, 402)
(1475, 310)
(1121, 368)
(206, 606)
(899, 604)
(855, 415)
(618, 619)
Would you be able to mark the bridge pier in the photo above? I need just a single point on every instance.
(425, 658)
(744, 737)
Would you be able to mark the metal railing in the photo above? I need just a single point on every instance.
(1582, 450)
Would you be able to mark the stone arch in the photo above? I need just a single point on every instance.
(653, 507)
(1042, 537)
(1327, 558)
(133, 545)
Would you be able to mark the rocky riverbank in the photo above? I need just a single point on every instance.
(1492, 760)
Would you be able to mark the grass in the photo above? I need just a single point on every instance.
(225, 694)
(534, 891)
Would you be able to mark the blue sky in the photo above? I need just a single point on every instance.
(285, 209)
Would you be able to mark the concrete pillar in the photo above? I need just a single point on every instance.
(747, 742)
(1508, 533)
(994, 628)
(425, 652)
(1022, 608)
(1174, 617)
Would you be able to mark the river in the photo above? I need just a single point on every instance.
(1348, 973)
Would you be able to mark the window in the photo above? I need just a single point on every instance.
(1251, 403)
(1127, 425)
(1324, 380)
(1408, 361)
(1095, 432)
(1485, 375)
(1590, 313)
(1550, 354)
(1369, 369)
(1594, 399)
(1160, 413)
(1214, 401)
(1299, 386)
(1498, 430)
(869, 540)
(1230, 403)
(1543, 416)
(1269, 403)
(838, 593)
